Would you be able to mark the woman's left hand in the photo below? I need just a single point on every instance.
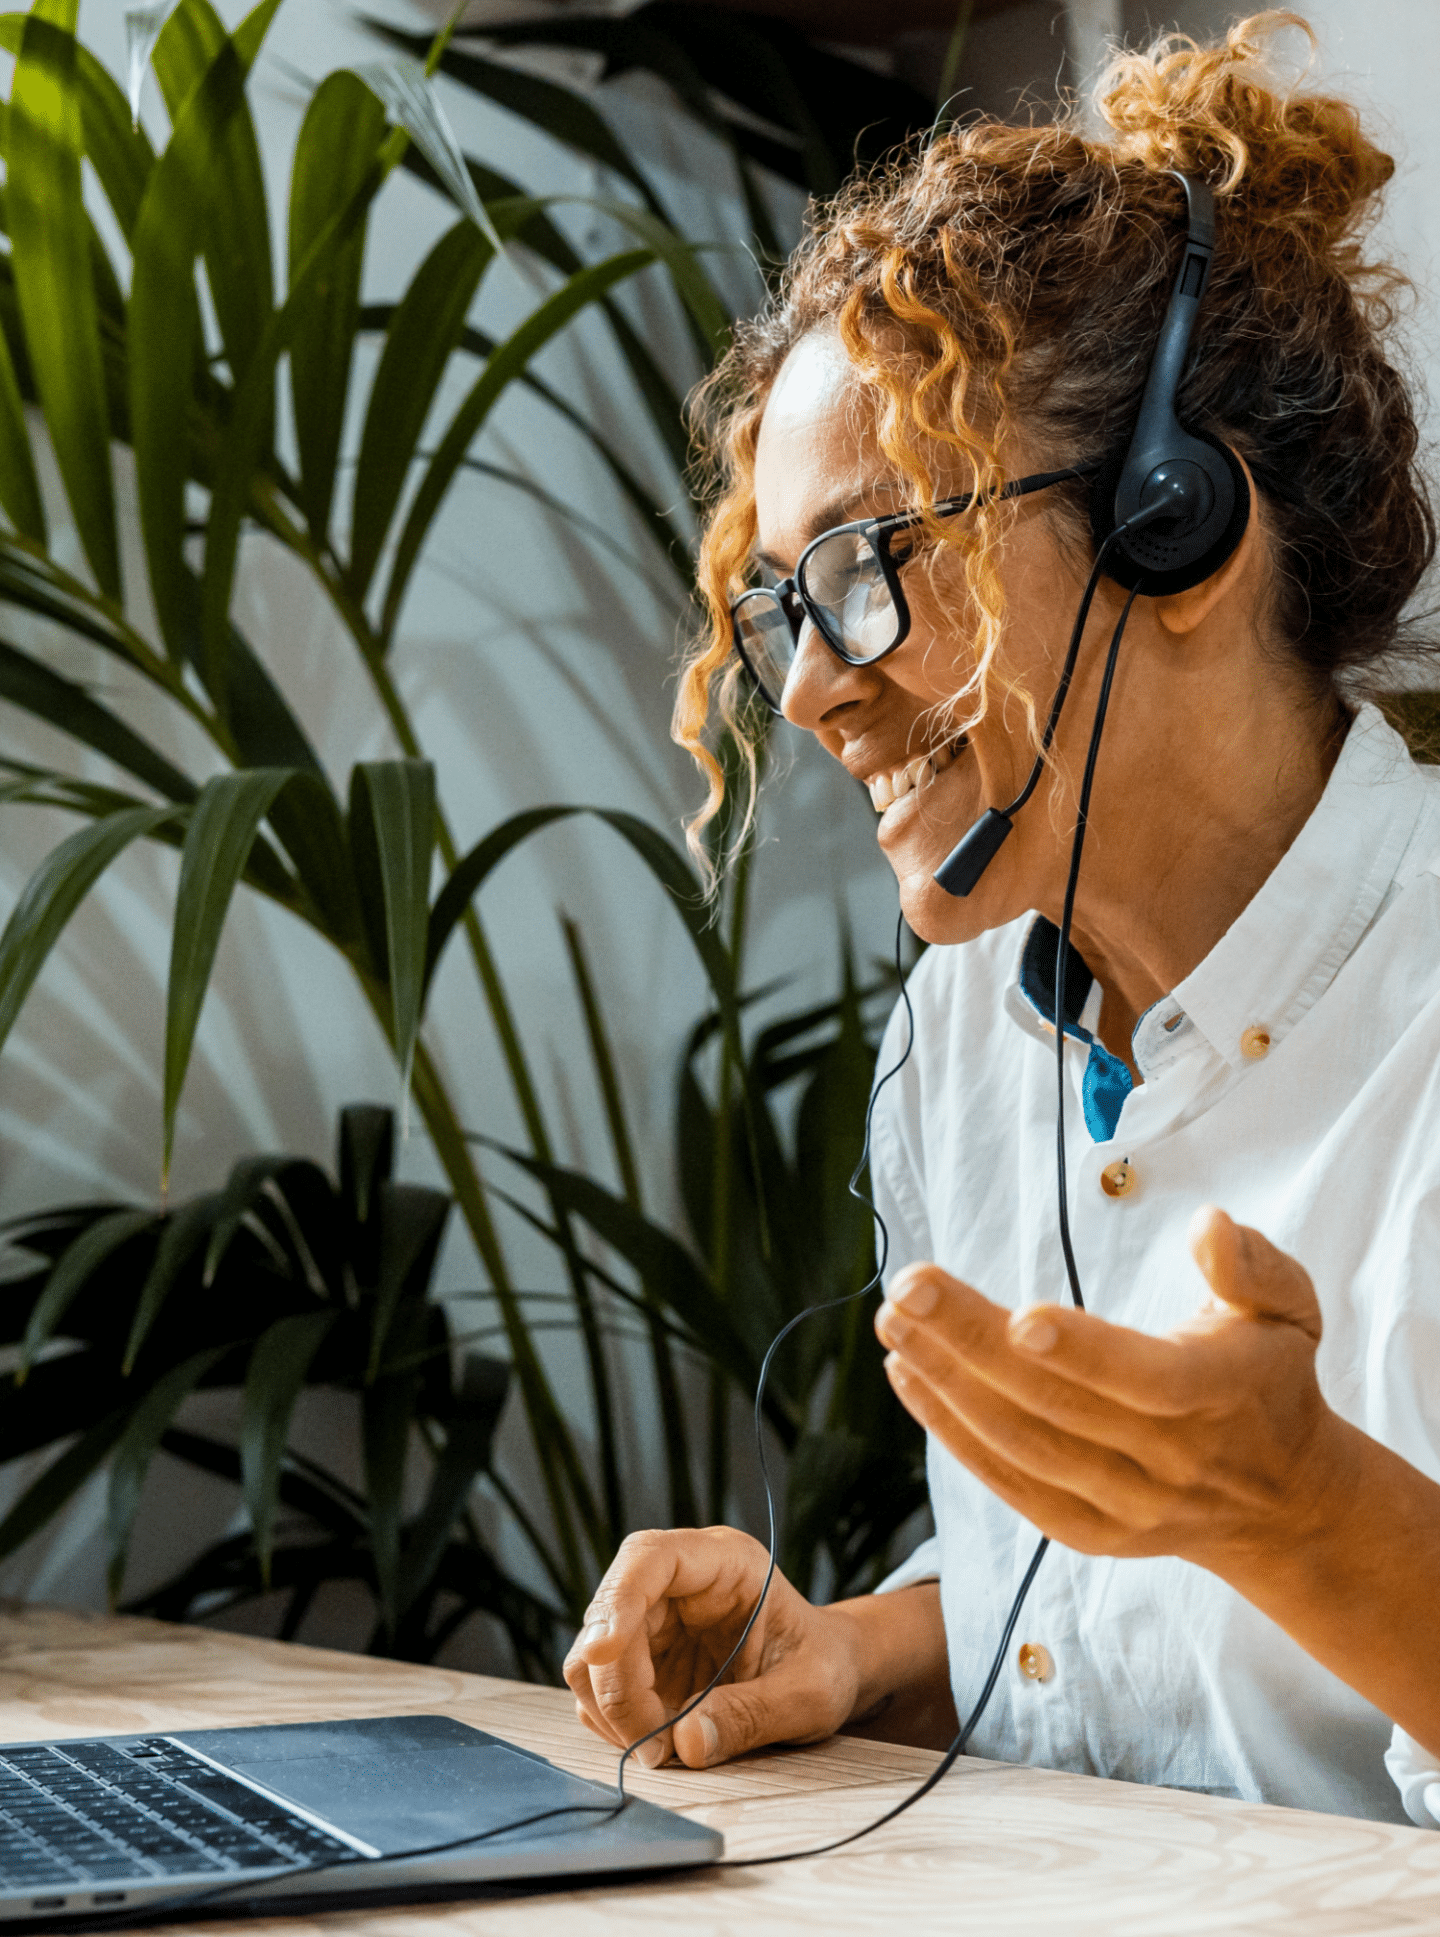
(1212, 1443)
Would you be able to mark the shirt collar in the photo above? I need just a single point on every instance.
(1287, 945)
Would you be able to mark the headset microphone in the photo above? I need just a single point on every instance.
(1166, 512)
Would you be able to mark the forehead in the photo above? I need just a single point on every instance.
(813, 452)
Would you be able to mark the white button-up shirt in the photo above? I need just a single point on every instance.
(1294, 1079)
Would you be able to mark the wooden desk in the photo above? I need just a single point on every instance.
(995, 1850)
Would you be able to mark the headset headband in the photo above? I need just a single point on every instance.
(1202, 478)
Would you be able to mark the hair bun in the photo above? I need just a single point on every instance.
(1280, 159)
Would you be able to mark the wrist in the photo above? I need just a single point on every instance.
(893, 1650)
(1316, 1531)
(1356, 1580)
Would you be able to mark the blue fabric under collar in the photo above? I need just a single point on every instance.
(1107, 1081)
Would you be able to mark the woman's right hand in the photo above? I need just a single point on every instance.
(668, 1612)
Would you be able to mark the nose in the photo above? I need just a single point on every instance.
(821, 684)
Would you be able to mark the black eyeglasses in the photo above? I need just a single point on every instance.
(847, 583)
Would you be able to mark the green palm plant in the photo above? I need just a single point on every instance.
(198, 404)
(282, 1278)
(199, 414)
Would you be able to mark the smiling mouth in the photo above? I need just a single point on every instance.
(886, 788)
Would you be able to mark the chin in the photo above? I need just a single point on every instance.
(938, 917)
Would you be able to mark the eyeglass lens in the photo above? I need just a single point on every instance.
(844, 587)
(767, 642)
(842, 579)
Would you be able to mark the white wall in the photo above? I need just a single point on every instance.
(1384, 57)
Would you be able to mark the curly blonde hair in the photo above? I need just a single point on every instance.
(1009, 277)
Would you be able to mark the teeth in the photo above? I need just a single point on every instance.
(886, 788)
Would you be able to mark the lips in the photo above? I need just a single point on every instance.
(887, 788)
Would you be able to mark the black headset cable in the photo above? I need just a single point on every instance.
(147, 1912)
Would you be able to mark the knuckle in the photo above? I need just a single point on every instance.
(745, 1721)
(635, 1550)
(612, 1702)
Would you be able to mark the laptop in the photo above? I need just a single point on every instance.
(290, 1815)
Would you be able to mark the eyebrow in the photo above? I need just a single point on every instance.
(836, 512)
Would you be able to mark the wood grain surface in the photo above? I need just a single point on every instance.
(995, 1849)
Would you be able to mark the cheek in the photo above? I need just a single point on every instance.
(938, 657)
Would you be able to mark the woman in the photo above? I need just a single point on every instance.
(1238, 1465)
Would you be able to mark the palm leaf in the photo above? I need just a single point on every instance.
(667, 1270)
(342, 131)
(53, 893)
(50, 235)
(662, 859)
(562, 113)
(278, 1365)
(470, 1425)
(119, 151)
(60, 1482)
(223, 824)
(28, 684)
(137, 1446)
(539, 234)
(19, 486)
(423, 331)
(399, 801)
(502, 369)
(184, 1235)
(387, 1411)
(248, 435)
(194, 52)
(412, 1225)
(73, 1270)
(163, 325)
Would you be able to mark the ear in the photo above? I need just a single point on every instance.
(1182, 612)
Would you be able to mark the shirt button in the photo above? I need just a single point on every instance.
(1117, 1180)
(1254, 1044)
(1035, 1662)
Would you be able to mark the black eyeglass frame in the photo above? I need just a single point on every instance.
(796, 605)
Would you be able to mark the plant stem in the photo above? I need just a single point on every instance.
(553, 1444)
(601, 1536)
(667, 1387)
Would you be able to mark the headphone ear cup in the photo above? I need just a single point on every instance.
(1157, 562)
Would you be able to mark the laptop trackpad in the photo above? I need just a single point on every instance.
(409, 1799)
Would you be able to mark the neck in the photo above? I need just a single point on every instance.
(1189, 828)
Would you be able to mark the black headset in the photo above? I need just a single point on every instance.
(1166, 511)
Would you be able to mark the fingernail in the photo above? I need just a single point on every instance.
(895, 1369)
(892, 1324)
(1202, 1234)
(918, 1297)
(1034, 1332)
(652, 1754)
(710, 1738)
(597, 1631)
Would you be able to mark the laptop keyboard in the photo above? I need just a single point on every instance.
(87, 1812)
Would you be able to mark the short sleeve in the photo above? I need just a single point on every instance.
(1416, 1776)
(923, 1565)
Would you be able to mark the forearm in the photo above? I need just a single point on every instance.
(1358, 1584)
(898, 1643)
